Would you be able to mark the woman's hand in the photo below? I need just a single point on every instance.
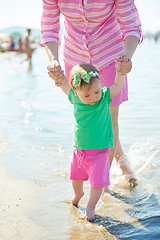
(56, 73)
(123, 63)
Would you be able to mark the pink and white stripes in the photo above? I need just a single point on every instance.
(94, 30)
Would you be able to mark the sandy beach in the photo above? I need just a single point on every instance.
(17, 199)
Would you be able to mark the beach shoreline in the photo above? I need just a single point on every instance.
(18, 198)
(6, 54)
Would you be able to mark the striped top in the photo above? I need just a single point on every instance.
(94, 31)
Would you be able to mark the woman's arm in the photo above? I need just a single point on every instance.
(52, 50)
(50, 22)
(130, 45)
(123, 62)
(130, 25)
(128, 19)
(118, 85)
(50, 26)
(65, 86)
(54, 70)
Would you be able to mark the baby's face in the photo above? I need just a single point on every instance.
(90, 94)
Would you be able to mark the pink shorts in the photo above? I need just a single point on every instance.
(92, 165)
(108, 78)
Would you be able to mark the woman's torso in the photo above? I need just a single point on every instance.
(91, 30)
(94, 31)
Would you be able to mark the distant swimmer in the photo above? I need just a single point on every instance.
(23, 45)
(27, 45)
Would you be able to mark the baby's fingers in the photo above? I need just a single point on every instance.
(123, 68)
(56, 75)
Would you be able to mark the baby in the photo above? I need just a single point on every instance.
(93, 134)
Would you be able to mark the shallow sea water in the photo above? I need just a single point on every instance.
(37, 121)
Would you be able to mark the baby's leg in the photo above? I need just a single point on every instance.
(78, 192)
(95, 194)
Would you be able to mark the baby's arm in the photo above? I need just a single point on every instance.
(118, 85)
(65, 85)
(58, 76)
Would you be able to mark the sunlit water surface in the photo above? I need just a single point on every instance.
(37, 121)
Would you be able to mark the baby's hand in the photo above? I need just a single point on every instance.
(123, 63)
(56, 73)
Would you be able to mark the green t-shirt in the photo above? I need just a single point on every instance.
(93, 124)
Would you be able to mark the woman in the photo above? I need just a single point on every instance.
(96, 32)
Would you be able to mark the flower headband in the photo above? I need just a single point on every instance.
(85, 76)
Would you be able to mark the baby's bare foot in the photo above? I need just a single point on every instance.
(90, 214)
(75, 200)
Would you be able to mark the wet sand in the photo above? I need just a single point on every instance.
(18, 197)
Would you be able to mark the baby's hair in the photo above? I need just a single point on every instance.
(78, 69)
